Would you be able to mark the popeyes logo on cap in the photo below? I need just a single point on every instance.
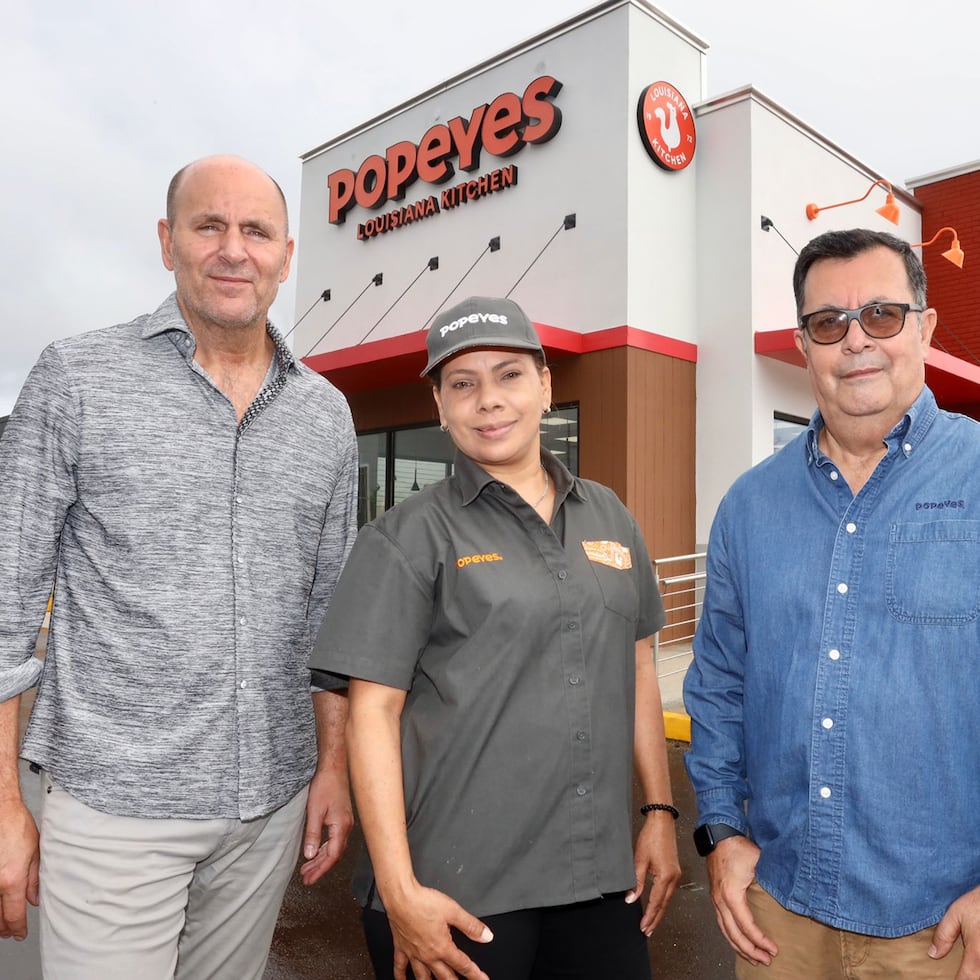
(500, 318)
(501, 127)
(666, 126)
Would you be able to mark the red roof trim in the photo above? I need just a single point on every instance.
(398, 360)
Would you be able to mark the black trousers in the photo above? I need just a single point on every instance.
(597, 940)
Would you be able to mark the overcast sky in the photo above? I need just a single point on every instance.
(100, 102)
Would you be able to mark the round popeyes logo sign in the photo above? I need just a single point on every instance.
(666, 126)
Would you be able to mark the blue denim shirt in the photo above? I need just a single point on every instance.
(834, 690)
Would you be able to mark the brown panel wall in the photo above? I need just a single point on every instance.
(636, 435)
(598, 383)
(661, 450)
(391, 408)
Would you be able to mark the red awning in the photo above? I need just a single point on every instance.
(398, 360)
(954, 382)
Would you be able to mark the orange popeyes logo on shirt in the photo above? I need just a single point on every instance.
(477, 559)
(610, 553)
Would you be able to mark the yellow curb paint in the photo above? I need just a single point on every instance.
(677, 726)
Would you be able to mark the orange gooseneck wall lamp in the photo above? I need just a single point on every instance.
(889, 210)
(954, 253)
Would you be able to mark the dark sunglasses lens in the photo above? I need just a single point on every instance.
(827, 326)
(882, 319)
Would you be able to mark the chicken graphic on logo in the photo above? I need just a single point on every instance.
(671, 135)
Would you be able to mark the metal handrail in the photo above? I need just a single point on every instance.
(683, 595)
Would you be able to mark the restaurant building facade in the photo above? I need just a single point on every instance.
(648, 231)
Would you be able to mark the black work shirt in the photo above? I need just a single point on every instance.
(517, 650)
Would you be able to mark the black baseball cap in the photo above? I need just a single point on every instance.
(480, 321)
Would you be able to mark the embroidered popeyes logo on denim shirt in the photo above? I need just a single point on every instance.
(940, 505)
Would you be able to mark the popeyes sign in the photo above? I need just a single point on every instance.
(501, 127)
(666, 125)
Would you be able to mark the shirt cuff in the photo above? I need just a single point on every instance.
(18, 679)
(323, 680)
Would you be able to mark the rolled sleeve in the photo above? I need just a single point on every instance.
(38, 453)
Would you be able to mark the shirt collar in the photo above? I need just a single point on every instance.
(910, 430)
(471, 478)
(167, 318)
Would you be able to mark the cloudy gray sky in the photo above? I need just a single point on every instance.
(100, 102)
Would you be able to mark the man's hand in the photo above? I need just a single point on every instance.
(962, 920)
(655, 856)
(19, 866)
(420, 923)
(327, 807)
(731, 869)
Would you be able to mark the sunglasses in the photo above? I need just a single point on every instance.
(878, 320)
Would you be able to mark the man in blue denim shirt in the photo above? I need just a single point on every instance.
(833, 696)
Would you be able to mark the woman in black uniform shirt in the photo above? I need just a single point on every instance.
(497, 630)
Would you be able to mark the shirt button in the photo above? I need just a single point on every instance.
(581, 790)
(580, 736)
(842, 588)
(563, 575)
(244, 684)
(825, 792)
(574, 679)
(834, 654)
(828, 723)
(573, 626)
(851, 528)
(243, 621)
(907, 447)
(834, 475)
(238, 500)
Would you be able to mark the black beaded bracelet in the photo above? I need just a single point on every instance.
(648, 807)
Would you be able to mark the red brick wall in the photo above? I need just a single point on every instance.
(955, 293)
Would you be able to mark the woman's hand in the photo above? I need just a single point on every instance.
(420, 922)
(655, 857)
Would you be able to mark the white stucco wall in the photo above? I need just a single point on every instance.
(661, 209)
(631, 216)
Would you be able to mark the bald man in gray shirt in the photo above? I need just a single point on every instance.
(190, 488)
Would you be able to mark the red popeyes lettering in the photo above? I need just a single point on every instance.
(402, 171)
(502, 128)
(544, 117)
(434, 148)
(369, 187)
(466, 138)
(340, 184)
(503, 125)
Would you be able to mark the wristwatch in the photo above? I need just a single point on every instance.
(707, 836)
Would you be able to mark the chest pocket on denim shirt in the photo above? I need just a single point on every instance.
(932, 573)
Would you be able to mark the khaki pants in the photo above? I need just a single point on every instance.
(123, 897)
(809, 950)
